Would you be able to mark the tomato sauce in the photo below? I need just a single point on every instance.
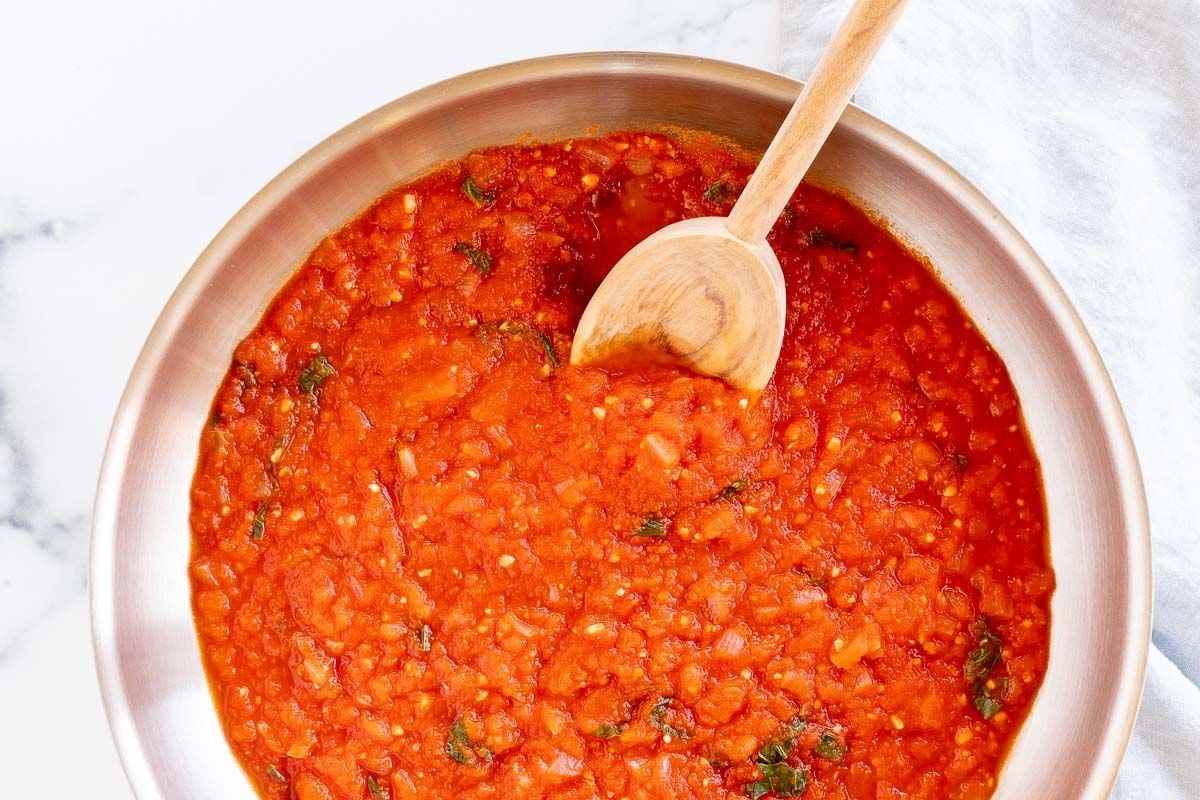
(432, 559)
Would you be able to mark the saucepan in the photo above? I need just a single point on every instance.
(161, 712)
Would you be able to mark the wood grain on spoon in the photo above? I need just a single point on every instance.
(708, 293)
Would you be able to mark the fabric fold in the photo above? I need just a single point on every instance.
(1080, 120)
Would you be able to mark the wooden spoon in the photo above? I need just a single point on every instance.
(708, 293)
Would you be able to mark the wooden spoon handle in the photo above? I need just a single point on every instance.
(812, 117)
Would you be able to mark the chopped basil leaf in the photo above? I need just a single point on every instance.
(479, 259)
(737, 486)
(777, 776)
(548, 346)
(986, 702)
(657, 721)
(829, 748)
(757, 789)
(653, 528)
(980, 664)
(215, 420)
(984, 658)
(425, 638)
(817, 237)
(275, 774)
(780, 779)
(988, 706)
(543, 340)
(775, 751)
(719, 192)
(610, 731)
(376, 789)
(314, 375)
(461, 749)
(259, 526)
(476, 195)
(962, 461)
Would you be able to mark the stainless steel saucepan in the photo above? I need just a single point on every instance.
(154, 686)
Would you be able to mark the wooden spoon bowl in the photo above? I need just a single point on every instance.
(708, 293)
(692, 294)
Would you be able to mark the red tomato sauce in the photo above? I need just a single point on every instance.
(432, 559)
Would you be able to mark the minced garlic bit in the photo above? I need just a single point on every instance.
(590, 180)
(506, 560)
(598, 412)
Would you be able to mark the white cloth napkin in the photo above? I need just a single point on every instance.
(1080, 119)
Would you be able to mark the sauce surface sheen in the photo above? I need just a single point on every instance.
(431, 559)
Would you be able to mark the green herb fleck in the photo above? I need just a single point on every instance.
(531, 335)
(461, 749)
(719, 192)
(314, 375)
(777, 776)
(275, 774)
(479, 259)
(476, 195)
(962, 461)
(376, 789)
(777, 749)
(984, 658)
(215, 419)
(988, 705)
(548, 346)
(610, 731)
(259, 526)
(828, 747)
(780, 779)
(425, 638)
(734, 488)
(980, 664)
(653, 528)
(818, 237)
(659, 723)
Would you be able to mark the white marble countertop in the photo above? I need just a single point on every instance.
(129, 133)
